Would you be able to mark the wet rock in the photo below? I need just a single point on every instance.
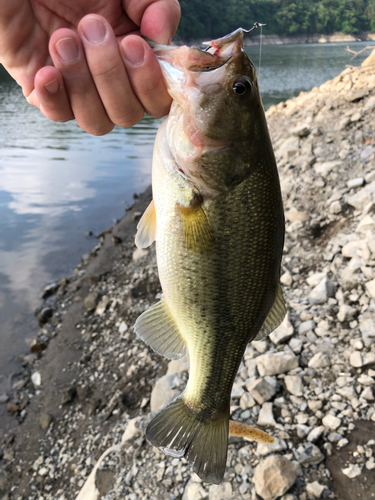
(13, 408)
(45, 420)
(91, 301)
(163, 392)
(36, 379)
(68, 395)
(274, 364)
(4, 398)
(274, 476)
(37, 346)
(45, 315)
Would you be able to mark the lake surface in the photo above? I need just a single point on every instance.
(57, 183)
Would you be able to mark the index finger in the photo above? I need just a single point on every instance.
(158, 19)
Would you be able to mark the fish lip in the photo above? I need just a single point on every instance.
(210, 68)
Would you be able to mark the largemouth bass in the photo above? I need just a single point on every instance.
(218, 222)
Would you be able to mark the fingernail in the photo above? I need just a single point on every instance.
(94, 30)
(52, 87)
(67, 50)
(134, 53)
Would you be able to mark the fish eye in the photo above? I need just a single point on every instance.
(241, 87)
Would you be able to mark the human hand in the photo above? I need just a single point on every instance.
(85, 59)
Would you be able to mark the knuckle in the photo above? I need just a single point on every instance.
(130, 118)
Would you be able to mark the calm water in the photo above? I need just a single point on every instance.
(57, 183)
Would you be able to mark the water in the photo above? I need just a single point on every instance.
(57, 183)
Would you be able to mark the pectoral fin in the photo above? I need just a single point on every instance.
(146, 229)
(196, 228)
(275, 316)
(158, 329)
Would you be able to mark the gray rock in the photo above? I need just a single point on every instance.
(261, 390)
(346, 313)
(309, 454)
(319, 360)
(315, 434)
(274, 476)
(355, 183)
(370, 286)
(45, 315)
(356, 359)
(274, 364)
(194, 491)
(45, 420)
(4, 398)
(132, 431)
(323, 168)
(264, 449)
(363, 197)
(163, 392)
(178, 366)
(221, 491)
(319, 294)
(331, 421)
(265, 416)
(91, 301)
(296, 345)
(306, 326)
(354, 470)
(283, 332)
(315, 489)
(294, 385)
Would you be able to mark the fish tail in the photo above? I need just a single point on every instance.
(243, 430)
(179, 432)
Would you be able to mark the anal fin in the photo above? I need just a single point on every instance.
(275, 316)
(146, 228)
(158, 329)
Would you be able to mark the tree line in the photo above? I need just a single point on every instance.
(213, 18)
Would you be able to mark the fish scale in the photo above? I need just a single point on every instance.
(218, 223)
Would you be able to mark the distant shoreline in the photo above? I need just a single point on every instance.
(254, 39)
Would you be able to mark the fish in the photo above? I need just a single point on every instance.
(218, 223)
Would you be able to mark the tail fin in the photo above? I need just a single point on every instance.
(178, 432)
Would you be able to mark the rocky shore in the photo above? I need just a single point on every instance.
(89, 386)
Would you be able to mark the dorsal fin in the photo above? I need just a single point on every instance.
(146, 229)
(275, 316)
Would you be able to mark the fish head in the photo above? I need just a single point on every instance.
(216, 89)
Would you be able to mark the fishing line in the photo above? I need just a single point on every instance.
(260, 49)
